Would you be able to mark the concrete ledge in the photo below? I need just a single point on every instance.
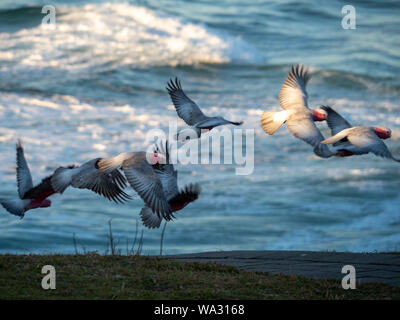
(370, 267)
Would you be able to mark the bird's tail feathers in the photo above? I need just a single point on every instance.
(149, 218)
(272, 121)
(187, 195)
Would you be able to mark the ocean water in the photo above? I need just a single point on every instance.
(95, 85)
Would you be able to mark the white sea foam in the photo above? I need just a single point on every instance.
(105, 35)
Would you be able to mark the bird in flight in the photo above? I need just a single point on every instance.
(30, 197)
(348, 140)
(177, 199)
(140, 171)
(190, 112)
(293, 99)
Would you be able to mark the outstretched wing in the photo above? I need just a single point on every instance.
(24, 178)
(306, 130)
(335, 121)
(144, 180)
(109, 185)
(293, 93)
(187, 110)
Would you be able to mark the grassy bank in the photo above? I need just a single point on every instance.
(93, 276)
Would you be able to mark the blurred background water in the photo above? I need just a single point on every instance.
(95, 85)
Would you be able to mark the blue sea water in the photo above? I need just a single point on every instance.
(95, 85)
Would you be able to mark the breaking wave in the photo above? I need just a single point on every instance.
(104, 36)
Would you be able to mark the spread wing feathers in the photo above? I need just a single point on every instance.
(272, 121)
(108, 185)
(187, 109)
(24, 178)
(41, 191)
(369, 140)
(188, 194)
(143, 179)
(149, 218)
(306, 130)
(293, 93)
(335, 121)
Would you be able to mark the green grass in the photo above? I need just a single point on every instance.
(93, 276)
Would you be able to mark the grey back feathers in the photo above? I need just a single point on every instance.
(144, 180)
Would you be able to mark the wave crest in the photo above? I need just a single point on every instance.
(120, 34)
